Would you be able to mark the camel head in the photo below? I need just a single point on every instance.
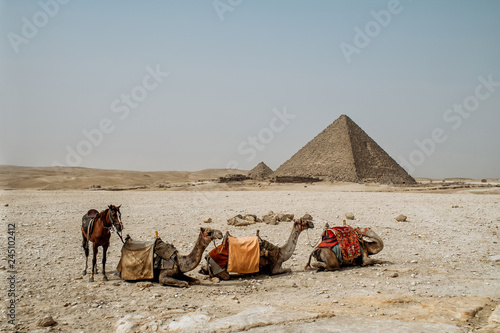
(210, 234)
(373, 242)
(305, 222)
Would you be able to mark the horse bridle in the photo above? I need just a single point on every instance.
(113, 227)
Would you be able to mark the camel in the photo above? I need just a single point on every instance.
(272, 257)
(370, 243)
(175, 276)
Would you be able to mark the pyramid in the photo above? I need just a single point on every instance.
(342, 152)
(260, 172)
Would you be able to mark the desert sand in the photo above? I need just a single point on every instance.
(438, 272)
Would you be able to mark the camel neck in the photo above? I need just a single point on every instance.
(286, 250)
(190, 261)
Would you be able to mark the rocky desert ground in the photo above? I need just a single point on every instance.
(438, 272)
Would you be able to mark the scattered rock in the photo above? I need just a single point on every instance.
(393, 275)
(495, 258)
(349, 216)
(6, 205)
(239, 221)
(495, 316)
(46, 321)
(270, 219)
(124, 325)
(189, 322)
(144, 284)
(209, 220)
(401, 218)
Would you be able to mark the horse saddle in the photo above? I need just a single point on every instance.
(138, 261)
(87, 221)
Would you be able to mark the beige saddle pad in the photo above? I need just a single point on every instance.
(136, 262)
(244, 255)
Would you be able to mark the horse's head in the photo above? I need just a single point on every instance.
(116, 217)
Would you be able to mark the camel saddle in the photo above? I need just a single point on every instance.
(347, 238)
(140, 258)
(237, 255)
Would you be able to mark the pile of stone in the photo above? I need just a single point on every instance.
(270, 218)
(233, 178)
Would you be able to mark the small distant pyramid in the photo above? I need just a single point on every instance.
(342, 152)
(260, 172)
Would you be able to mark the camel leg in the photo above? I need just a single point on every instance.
(166, 280)
(223, 276)
(326, 260)
(95, 249)
(277, 269)
(365, 260)
(85, 245)
(188, 279)
(104, 251)
(330, 259)
(320, 266)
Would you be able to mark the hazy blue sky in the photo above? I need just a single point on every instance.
(189, 85)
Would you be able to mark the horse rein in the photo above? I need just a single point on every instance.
(113, 227)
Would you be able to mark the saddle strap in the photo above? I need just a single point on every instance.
(90, 228)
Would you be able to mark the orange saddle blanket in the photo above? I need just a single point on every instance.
(244, 255)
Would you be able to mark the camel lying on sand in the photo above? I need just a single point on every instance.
(160, 261)
(336, 251)
(271, 256)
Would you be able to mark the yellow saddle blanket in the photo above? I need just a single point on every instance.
(136, 262)
(244, 255)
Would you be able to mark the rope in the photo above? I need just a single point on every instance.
(309, 240)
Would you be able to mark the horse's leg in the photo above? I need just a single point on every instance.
(95, 249)
(85, 245)
(104, 251)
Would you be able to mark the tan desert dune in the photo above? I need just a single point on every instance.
(438, 272)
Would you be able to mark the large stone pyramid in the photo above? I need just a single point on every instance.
(342, 152)
(260, 172)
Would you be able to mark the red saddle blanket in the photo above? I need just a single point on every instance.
(221, 254)
(347, 238)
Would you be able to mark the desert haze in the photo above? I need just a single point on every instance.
(439, 270)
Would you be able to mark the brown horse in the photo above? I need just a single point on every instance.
(96, 229)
